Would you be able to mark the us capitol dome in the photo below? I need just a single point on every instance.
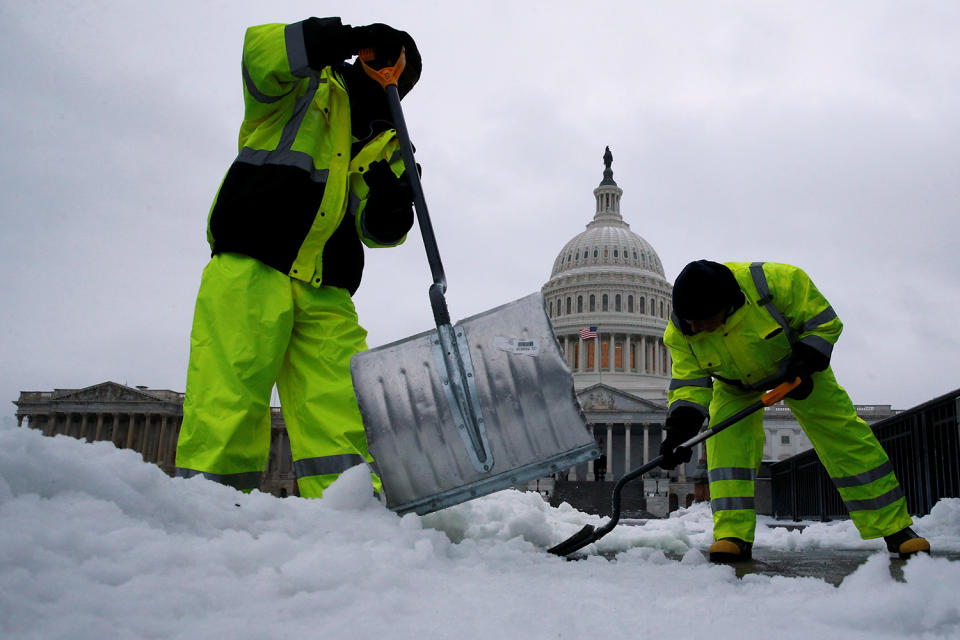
(609, 281)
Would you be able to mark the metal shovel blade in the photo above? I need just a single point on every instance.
(523, 422)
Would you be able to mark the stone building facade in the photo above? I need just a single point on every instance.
(144, 420)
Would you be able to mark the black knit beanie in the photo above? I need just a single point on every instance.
(703, 289)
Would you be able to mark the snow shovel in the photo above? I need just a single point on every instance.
(590, 534)
(464, 410)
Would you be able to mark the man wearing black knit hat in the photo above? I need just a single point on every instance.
(738, 329)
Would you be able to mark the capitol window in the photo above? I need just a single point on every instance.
(643, 305)
(629, 304)
(616, 303)
(579, 304)
(604, 304)
(593, 303)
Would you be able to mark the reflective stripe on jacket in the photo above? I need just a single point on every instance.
(782, 306)
(293, 179)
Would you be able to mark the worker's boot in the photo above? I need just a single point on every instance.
(906, 543)
(730, 550)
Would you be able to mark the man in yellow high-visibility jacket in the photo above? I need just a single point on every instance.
(317, 174)
(738, 329)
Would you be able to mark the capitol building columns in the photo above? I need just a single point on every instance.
(625, 445)
(631, 353)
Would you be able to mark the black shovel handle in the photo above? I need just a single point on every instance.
(388, 77)
(590, 534)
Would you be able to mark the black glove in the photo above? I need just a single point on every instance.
(682, 424)
(389, 211)
(327, 42)
(803, 362)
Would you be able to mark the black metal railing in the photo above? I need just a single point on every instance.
(924, 447)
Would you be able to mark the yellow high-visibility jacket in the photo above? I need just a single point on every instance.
(295, 177)
(749, 351)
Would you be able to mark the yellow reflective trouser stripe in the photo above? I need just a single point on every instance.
(853, 458)
(866, 477)
(879, 502)
(731, 473)
(325, 465)
(844, 443)
(733, 456)
(240, 481)
(255, 327)
(732, 502)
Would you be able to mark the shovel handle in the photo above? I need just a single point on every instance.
(770, 398)
(590, 534)
(387, 78)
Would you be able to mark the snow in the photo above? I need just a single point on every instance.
(94, 543)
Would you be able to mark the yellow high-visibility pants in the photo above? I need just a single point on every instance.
(847, 447)
(255, 327)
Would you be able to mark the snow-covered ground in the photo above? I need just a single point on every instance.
(96, 544)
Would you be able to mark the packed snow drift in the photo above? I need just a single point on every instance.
(95, 543)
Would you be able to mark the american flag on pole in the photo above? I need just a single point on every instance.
(588, 333)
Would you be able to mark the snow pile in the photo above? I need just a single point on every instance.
(96, 544)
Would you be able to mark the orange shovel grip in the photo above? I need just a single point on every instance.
(779, 392)
(388, 75)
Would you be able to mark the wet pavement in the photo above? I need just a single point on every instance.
(829, 565)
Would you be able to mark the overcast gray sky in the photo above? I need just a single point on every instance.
(823, 134)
